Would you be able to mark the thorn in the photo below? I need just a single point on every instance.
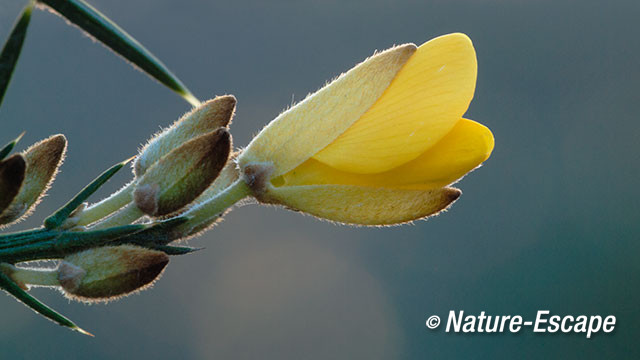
(178, 220)
(125, 162)
(82, 331)
(20, 137)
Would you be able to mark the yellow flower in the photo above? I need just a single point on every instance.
(379, 144)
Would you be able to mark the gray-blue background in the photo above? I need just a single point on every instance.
(550, 221)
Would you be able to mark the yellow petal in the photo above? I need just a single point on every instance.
(303, 130)
(360, 205)
(430, 94)
(465, 147)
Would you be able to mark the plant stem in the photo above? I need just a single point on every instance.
(205, 213)
(124, 216)
(106, 207)
(27, 276)
(40, 244)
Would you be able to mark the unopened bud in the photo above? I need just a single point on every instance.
(227, 176)
(12, 171)
(183, 174)
(195, 226)
(105, 273)
(209, 116)
(43, 160)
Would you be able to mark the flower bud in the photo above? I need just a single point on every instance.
(380, 144)
(183, 174)
(209, 116)
(105, 273)
(227, 176)
(43, 160)
(12, 172)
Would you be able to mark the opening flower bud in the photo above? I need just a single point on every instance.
(183, 174)
(105, 273)
(207, 117)
(42, 160)
(380, 144)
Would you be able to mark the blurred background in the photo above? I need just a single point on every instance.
(551, 221)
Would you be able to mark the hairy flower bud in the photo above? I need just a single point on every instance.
(209, 116)
(43, 160)
(105, 273)
(12, 172)
(183, 174)
(380, 144)
(227, 176)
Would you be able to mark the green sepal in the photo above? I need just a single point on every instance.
(89, 19)
(16, 291)
(58, 218)
(11, 50)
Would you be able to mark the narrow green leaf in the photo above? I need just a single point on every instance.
(8, 238)
(158, 234)
(111, 35)
(55, 245)
(70, 241)
(12, 288)
(11, 50)
(24, 238)
(57, 218)
(170, 223)
(7, 148)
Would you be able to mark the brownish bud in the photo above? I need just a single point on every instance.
(105, 273)
(43, 160)
(183, 174)
(12, 171)
(207, 117)
(227, 176)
